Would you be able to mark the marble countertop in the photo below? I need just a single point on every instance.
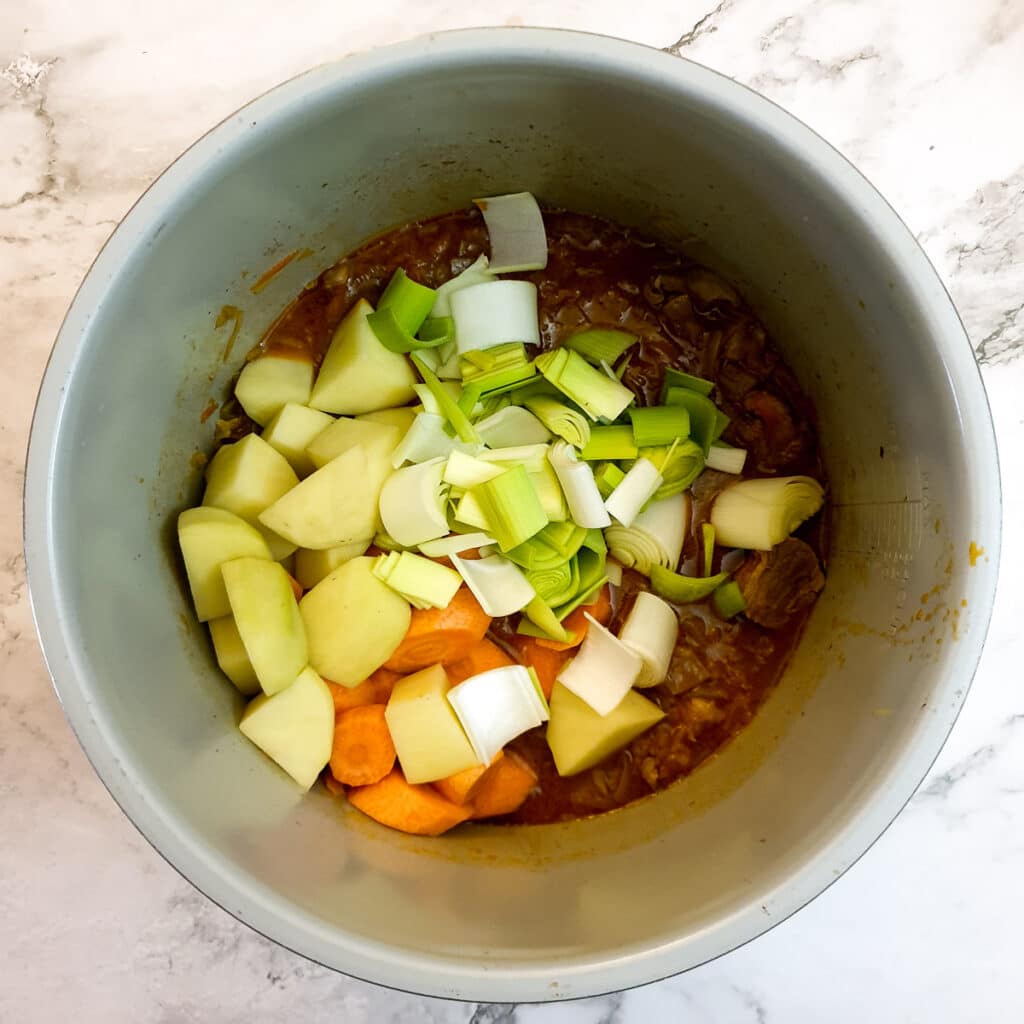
(96, 99)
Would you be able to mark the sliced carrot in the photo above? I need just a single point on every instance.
(481, 657)
(363, 752)
(578, 624)
(334, 787)
(296, 586)
(375, 690)
(462, 787)
(547, 663)
(504, 788)
(441, 634)
(419, 810)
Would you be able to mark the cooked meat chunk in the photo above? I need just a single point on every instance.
(778, 584)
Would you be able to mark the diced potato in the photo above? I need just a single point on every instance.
(425, 730)
(294, 727)
(245, 478)
(268, 620)
(579, 737)
(401, 418)
(353, 622)
(332, 506)
(378, 441)
(231, 655)
(358, 373)
(312, 566)
(270, 382)
(290, 432)
(208, 538)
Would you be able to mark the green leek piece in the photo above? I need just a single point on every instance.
(593, 391)
(436, 331)
(560, 419)
(501, 357)
(527, 627)
(448, 406)
(704, 417)
(558, 584)
(728, 600)
(565, 538)
(684, 589)
(594, 541)
(469, 511)
(386, 542)
(721, 422)
(532, 456)
(496, 382)
(409, 301)
(707, 532)
(539, 612)
(678, 467)
(658, 424)
(599, 344)
(392, 335)
(677, 379)
(465, 471)
(549, 492)
(584, 596)
(620, 370)
(422, 582)
(555, 544)
(610, 443)
(608, 476)
(511, 507)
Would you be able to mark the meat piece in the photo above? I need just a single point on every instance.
(745, 359)
(778, 584)
(770, 430)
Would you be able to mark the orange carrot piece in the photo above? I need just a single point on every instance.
(375, 690)
(578, 624)
(417, 809)
(463, 786)
(437, 635)
(547, 663)
(504, 789)
(363, 752)
(334, 787)
(481, 657)
(296, 586)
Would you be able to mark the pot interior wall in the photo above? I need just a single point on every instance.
(347, 162)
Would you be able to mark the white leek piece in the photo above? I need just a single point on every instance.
(470, 512)
(725, 458)
(448, 361)
(532, 456)
(651, 630)
(495, 314)
(586, 506)
(429, 400)
(511, 427)
(423, 583)
(455, 544)
(612, 570)
(412, 503)
(498, 584)
(655, 537)
(465, 471)
(516, 229)
(761, 513)
(637, 488)
(428, 439)
(478, 273)
(604, 671)
(495, 707)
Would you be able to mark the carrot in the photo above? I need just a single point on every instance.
(481, 657)
(363, 752)
(334, 787)
(419, 809)
(296, 586)
(375, 690)
(577, 623)
(440, 634)
(504, 788)
(462, 787)
(547, 663)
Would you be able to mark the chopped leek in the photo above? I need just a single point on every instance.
(455, 544)
(612, 569)
(539, 614)
(549, 492)
(704, 417)
(532, 456)
(651, 630)
(497, 382)
(555, 544)
(423, 583)
(676, 378)
(477, 273)
(586, 506)
(557, 584)
(511, 507)
(707, 533)
(392, 335)
(608, 476)
(610, 443)
(469, 512)
(603, 671)
(560, 419)
(464, 471)
(498, 584)
(409, 302)
(587, 596)
(725, 458)
(598, 395)
(412, 504)
(496, 706)
(679, 464)
(495, 313)
(436, 332)
(385, 542)
(655, 538)
(659, 424)
(475, 363)
(601, 345)
(449, 407)
(728, 600)
(429, 402)
(426, 439)
(761, 513)
(516, 229)
(637, 488)
(683, 589)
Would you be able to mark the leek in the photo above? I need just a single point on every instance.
(495, 707)
(609, 443)
(429, 402)
(412, 504)
(455, 544)
(386, 542)
(409, 303)
(598, 395)
(462, 470)
(555, 544)
(532, 456)
(497, 382)
(726, 459)
(680, 465)
(549, 492)
(637, 488)
(728, 600)
(608, 476)
(477, 273)
(655, 538)
(392, 335)
(423, 583)
(502, 357)
(469, 512)
(539, 614)
(761, 513)
(499, 586)
(586, 506)
(426, 439)
(683, 589)
(704, 417)
(558, 584)
(601, 345)
(612, 570)
(495, 313)
(707, 532)
(511, 507)
(560, 419)
(676, 378)
(659, 424)
(651, 630)
(436, 332)
(449, 407)
(603, 671)
(516, 229)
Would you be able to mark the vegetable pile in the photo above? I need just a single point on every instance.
(438, 473)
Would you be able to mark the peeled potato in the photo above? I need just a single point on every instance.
(231, 655)
(269, 382)
(312, 566)
(290, 432)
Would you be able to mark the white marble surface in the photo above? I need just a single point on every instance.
(96, 98)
